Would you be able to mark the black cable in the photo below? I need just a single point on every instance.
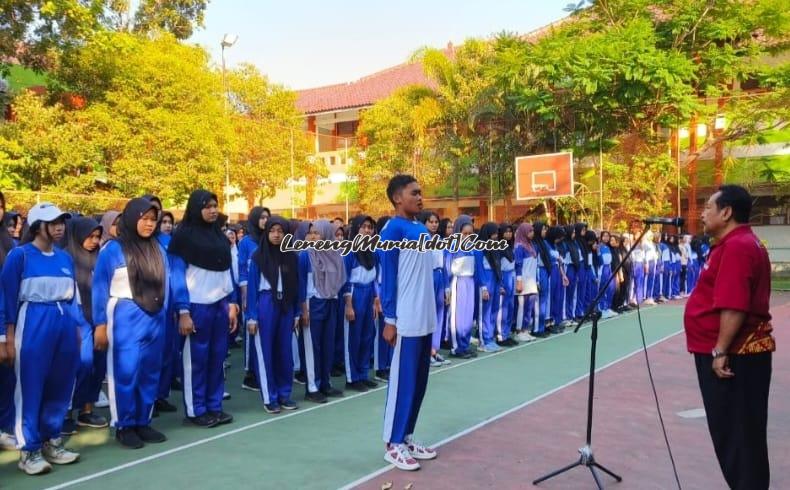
(655, 396)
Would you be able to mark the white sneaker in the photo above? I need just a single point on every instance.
(524, 337)
(442, 360)
(435, 362)
(399, 456)
(419, 451)
(7, 441)
(55, 453)
(608, 314)
(33, 463)
(103, 401)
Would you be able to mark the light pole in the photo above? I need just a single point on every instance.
(228, 40)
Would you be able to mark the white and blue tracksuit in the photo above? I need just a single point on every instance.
(319, 336)
(666, 270)
(136, 339)
(41, 299)
(571, 292)
(556, 307)
(486, 310)
(7, 381)
(274, 365)
(246, 247)
(604, 273)
(358, 335)
(504, 316)
(382, 351)
(171, 352)
(527, 273)
(638, 258)
(464, 280)
(441, 289)
(408, 302)
(206, 295)
(651, 259)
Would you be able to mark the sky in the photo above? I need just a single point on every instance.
(307, 43)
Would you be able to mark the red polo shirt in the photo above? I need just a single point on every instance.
(737, 276)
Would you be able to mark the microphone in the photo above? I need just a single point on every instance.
(677, 222)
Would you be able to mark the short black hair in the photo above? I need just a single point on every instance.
(737, 198)
(397, 183)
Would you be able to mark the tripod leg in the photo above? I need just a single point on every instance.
(555, 473)
(616, 477)
(597, 478)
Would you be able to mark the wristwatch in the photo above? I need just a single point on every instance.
(717, 353)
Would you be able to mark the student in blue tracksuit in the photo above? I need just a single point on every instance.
(322, 277)
(272, 308)
(338, 354)
(205, 300)
(639, 261)
(83, 236)
(667, 269)
(526, 262)
(131, 289)
(571, 259)
(256, 223)
(382, 351)
(410, 317)
(674, 254)
(582, 272)
(651, 262)
(361, 304)
(43, 323)
(507, 287)
(463, 276)
(544, 276)
(559, 280)
(594, 264)
(605, 272)
(7, 376)
(488, 270)
(441, 289)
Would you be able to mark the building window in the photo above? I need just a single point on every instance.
(332, 160)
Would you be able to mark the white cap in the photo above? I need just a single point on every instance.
(45, 212)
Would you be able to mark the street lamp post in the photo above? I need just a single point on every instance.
(228, 40)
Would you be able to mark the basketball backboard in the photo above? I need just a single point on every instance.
(544, 176)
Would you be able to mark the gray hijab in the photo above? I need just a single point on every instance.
(461, 221)
(106, 223)
(329, 272)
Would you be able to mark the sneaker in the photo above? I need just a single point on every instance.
(7, 441)
(435, 362)
(525, 337)
(332, 393)
(442, 360)
(164, 406)
(315, 397)
(149, 434)
(222, 417)
(69, 427)
(383, 375)
(128, 438)
(250, 383)
(94, 420)
(300, 378)
(399, 456)
(272, 408)
(608, 314)
(33, 463)
(419, 451)
(103, 401)
(357, 386)
(510, 342)
(226, 365)
(288, 405)
(370, 383)
(462, 355)
(226, 395)
(205, 420)
(54, 452)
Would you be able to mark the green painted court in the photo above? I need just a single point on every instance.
(337, 444)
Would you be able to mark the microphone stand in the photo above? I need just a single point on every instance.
(587, 459)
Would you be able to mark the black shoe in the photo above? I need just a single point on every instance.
(383, 374)
(222, 417)
(272, 408)
(234, 345)
(226, 396)
(370, 383)
(315, 397)
(128, 438)
(164, 406)
(250, 383)
(149, 434)
(300, 378)
(288, 405)
(357, 386)
(446, 345)
(91, 419)
(69, 427)
(176, 385)
(337, 372)
(206, 420)
(332, 393)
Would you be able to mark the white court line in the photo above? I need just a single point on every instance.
(464, 432)
(199, 442)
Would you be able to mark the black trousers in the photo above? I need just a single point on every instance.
(737, 412)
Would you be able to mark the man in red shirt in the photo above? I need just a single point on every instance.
(728, 330)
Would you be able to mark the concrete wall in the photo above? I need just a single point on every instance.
(777, 239)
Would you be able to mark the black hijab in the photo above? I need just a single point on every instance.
(591, 238)
(275, 264)
(381, 223)
(443, 223)
(508, 252)
(253, 230)
(486, 232)
(302, 230)
(77, 230)
(6, 242)
(144, 262)
(365, 257)
(572, 246)
(541, 243)
(200, 243)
